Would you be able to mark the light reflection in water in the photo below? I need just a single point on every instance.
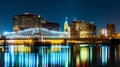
(47, 56)
(82, 57)
(119, 51)
(7, 59)
(60, 56)
(115, 53)
(104, 55)
(84, 54)
(13, 59)
(108, 52)
(90, 54)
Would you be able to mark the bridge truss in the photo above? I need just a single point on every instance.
(36, 32)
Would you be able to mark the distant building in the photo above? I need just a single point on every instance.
(102, 32)
(110, 29)
(91, 29)
(80, 29)
(50, 25)
(118, 35)
(25, 21)
(66, 27)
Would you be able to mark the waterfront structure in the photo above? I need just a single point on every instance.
(110, 29)
(36, 32)
(25, 21)
(102, 32)
(50, 25)
(81, 29)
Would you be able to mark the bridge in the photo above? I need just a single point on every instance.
(36, 32)
(27, 36)
(44, 35)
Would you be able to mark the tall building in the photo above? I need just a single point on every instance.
(102, 32)
(74, 33)
(91, 29)
(25, 21)
(80, 29)
(66, 27)
(110, 29)
(50, 25)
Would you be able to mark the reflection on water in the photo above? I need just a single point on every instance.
(43, 56)
(82, 58)
(60, 56)
(104, 55)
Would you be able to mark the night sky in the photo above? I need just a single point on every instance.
(98, 11)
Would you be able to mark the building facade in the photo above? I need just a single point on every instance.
(50, 25)
(80, 29)
(110, 29)
(102, 32)
(67, 27)
(25, 21)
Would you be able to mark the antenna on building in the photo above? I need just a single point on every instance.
(66, 21)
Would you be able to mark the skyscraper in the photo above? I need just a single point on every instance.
(50, 25)
(102, 32)
(66, 27)
(110, 29)
(80, 29)
(25, 21)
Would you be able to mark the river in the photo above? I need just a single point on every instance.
(79, 55)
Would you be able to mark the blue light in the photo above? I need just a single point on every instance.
(6, 33)
(104, 55)
(90, 54)
(31, 31)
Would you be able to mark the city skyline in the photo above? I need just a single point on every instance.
(100, 12)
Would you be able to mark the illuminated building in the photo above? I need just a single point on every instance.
(110, 29)
(91, 29)
(25, 21)
(68, 31)
(80, 29)
(118, 35)
(102, 33)
(15, 28)
(50, 25)
(66, 27)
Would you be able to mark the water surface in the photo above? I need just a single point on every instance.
(79, 55)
